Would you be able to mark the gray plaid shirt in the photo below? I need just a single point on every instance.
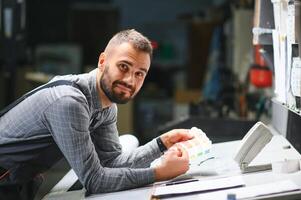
(85, 133)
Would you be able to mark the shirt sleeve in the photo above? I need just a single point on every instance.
(68, 121)
(106, 140)
(110, 153)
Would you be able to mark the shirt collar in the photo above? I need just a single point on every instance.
(96, 104)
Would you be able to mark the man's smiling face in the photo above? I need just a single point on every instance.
(123, 72)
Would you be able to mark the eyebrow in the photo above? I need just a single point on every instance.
(131, 64)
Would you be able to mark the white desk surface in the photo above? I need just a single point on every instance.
(222, 165)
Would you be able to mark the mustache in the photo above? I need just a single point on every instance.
(124, 84)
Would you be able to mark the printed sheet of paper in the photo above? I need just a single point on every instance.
(199, 186)
(253, 191)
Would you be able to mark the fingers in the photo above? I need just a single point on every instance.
(179, 151)
(175, 162)
(179, 135)
(184, 153)
(173, 151)
(176, 135)
(184, 158)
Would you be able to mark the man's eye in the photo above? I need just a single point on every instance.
(123, 67)
(140, 74)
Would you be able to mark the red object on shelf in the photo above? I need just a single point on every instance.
(260, 75)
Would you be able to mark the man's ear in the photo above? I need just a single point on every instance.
(101, 61)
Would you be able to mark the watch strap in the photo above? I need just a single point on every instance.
(161, 145)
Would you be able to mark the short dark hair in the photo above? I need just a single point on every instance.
(139, 41)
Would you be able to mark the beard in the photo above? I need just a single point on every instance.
(119, 98)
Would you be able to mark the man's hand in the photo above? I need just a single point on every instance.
(175, 162)
(174, 136)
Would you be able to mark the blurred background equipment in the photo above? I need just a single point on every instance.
(214, 61)
(13, 43)
(58, 59)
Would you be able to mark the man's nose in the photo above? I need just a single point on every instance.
(129, 78)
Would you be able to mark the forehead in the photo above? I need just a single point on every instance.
(126, 52)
